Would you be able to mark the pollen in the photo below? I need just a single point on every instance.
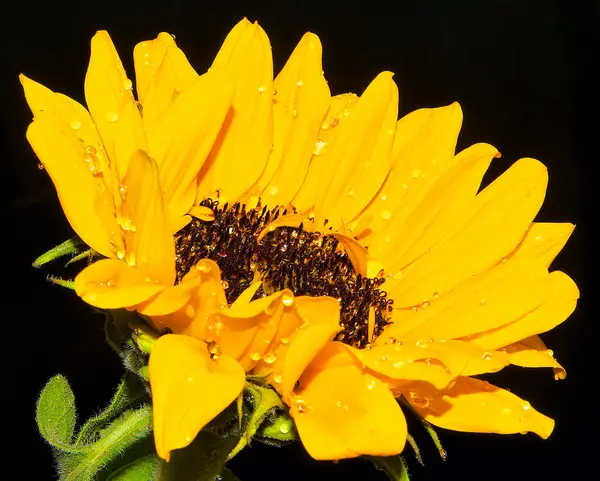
(307, 263)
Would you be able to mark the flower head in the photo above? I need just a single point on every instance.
(273, 229)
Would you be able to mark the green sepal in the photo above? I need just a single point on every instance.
(415, 448)
(87, 254)
(55, 413)
(61, 282)
(68, 247)
(393, 466)
(144, 337)
(278, 430)
(141, 469)
(435, 438)
(265, 403)
(129, 393)
(204, 459)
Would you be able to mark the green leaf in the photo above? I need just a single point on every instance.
(70, 246)
(265, 402)
(393, 466)
(116, 439)
(142, 469)
(55, 413)
(130, 391)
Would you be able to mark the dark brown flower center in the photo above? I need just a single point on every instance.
(307, 263)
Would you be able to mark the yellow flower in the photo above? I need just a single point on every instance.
(276, 230)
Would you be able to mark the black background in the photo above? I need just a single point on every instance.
(520, 71)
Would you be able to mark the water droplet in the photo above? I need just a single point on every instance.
(482, 302)
(284, 340)
(213, 349)
(287, 300)
(261, 89)
(225, 284)
(270, 358)
(112, 116)
(526, 406)
(295, 113)
(91, 158)
(425, 304)
(385, 214)
(218, 325)
(391, 340)
(506, 411)
(75, 124)
(418, 401)
(550, 352)
(414, 309)
(319, 146)
(352, 192)
(299, 83)
(371, 384)
(255, 356)
(127, 84)
(190, 311)
(415, 173)
(487, 356)
(120, 254)
(423, 343)
(436, 295)
(278, 378)
(123, 191)
(41, 166)
(301, 405)
(273, 190)
(284, 429)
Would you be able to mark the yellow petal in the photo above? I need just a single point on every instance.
(305, 328)
(476, 406)
(75, 185)
(150, 244)
(498, 219)
(423, 148)
(360, 157)
(181, 140)
(300, 103)
(357, 254)
(339, 112)
(108, 93)
(172, 299)
(558, 305)
(112, 284)
(396, 362)
(439, 211)
(243, 146)
(343, 412)
(207, 298)
(477, 305)
(544, 241)
(162, 73)
(532, 352)
(189, 389)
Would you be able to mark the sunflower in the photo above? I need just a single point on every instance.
(266, 227)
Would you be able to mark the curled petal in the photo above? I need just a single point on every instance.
(477, 406)
(343, 412)
(112, 284)
(189, 389)
(532, 352)
(305, 329)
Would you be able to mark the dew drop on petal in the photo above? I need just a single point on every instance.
(287, 300)
(225, 284)
(75, 124)
(41, 166)
(352, 192)
(487, 356)
(270, 358)
(415, 173)
(273, 190)
(526, 406)
(112, 116)
(255, 356)
(385, 214)
(262, 88)
(213, 349)
(319, 146)
(425, 304)
(127, 84)
(120, 254)
(190, 311)
(299, 83)
(284, 340)
(278, 378)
